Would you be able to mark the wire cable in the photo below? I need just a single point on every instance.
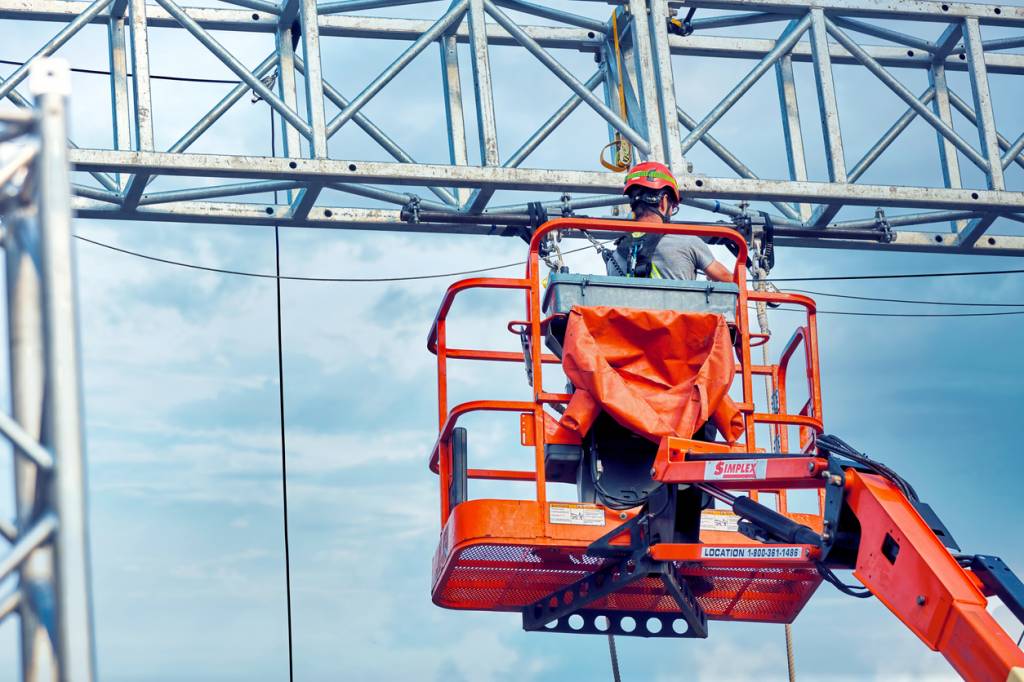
(280, 402)
(915, 275)
(408, 278)
(616, 675)
(351, 280)
(864, 314)
(101, 72)
(906, 300)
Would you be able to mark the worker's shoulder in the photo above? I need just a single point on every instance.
(682, 241)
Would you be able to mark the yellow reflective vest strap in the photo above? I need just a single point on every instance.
(655, 272)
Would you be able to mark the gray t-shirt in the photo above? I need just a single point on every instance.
(678, 256)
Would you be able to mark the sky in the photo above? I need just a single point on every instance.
(181, 395)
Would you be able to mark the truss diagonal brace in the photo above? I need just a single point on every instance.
(39, 533)
(563, 74)
(53, 44)
(446, 21)
(906, 95)
(236, 66)
(782, 47)
(378, 135)
(551, 124)
(25, 443)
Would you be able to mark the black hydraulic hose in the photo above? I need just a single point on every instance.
(775, 524)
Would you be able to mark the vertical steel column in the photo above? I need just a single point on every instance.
(451, 81)
(25, 348)
(482, 82)
(983, 102)
(666, 86)
(62, 407)
(947, 152)
(486, 123)
(791, 131)
(643, 62)
(143, 99)
(827, 98)
(118, 57)
(314, 78)
(291, 145)
(986, 123)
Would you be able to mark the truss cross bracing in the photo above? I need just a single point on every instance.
(894, 41)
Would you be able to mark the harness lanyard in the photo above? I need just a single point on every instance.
(623, 149)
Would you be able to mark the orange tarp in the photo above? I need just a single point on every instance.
(656, 372)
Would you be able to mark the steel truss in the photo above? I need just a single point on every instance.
(114, 180)
(48, 546)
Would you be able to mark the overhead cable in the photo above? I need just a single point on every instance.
(298, 278)
(915, 275)
(868, 314)
(101, 72)
(907, 300)
(475, 271)
(283, 433)
(440, 275)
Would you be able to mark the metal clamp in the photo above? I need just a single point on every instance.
(411, 210)
(883, 226)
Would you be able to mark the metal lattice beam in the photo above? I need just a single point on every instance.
(934, 39)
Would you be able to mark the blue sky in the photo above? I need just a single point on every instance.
(182, 413)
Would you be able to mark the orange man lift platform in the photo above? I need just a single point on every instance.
(650, 557)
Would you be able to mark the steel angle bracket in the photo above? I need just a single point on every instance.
(554, 612)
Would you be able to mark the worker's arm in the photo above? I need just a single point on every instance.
(718, 272)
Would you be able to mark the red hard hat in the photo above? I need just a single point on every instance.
(652, 175)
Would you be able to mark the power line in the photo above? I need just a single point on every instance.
(280, 404)
(297, 278)
(370, 280)
(584, 248)
(895, 276)
(907, 300)
(864, 314)
(101, 72)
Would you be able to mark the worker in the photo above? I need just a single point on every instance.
(654, 197)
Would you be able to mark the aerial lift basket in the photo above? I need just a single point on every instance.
(638, 551)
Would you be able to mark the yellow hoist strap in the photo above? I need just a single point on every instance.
(623, 150)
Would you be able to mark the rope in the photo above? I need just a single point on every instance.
(789, 653)
(762, 323)
(623, 150)
(615, 658)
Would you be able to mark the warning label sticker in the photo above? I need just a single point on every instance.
(719, 520)
(760, 552)
(744, 470)
(567, 513)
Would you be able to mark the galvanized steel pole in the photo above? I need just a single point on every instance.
(62, 407)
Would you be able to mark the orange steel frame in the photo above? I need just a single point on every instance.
(808, 418)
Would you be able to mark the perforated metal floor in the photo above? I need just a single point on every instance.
(500, 577)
